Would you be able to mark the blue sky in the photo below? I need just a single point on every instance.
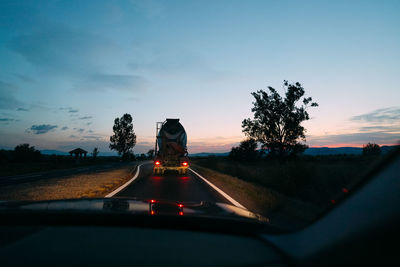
(68, 68)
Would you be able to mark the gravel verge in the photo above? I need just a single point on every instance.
(88, 185)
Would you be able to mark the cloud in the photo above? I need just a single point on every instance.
(103, 82)
(41, 129)
(7, 99)
(70, 110)
(175, 62)
(24, 78)
(390, 128)
(64, 128)
(72, 136)
(381, 126)
(80, 130)
(91, 137)
(22, 109)
(61, 50)
(355, 138)
(7, 120)
(85, 118)
(79, 56)
(391, 114)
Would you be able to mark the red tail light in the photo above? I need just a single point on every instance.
(184, 163)
(157, 162)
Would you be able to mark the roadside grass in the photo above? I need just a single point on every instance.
(314, 179)
(89, 185)
(281, 210)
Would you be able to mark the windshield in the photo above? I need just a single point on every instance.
(276, 108)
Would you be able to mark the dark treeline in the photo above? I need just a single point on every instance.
(248, 151)
(24, 153)
(25, 159)
(21, 153)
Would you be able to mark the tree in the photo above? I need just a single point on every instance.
(277, 121)
(124, 138)
(150, 153)
(25, 152)
(95, 152)
(246, 151)
(371, 149)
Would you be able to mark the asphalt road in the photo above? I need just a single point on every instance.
(171, 186)
(24, 178)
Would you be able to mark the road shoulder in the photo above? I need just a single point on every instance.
(85, 185)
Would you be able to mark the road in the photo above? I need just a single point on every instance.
(24, 178)
(171, 186)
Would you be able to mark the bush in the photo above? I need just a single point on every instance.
(24, 153)
(371, 149)
(246, 151)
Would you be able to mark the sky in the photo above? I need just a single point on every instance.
(69, 68)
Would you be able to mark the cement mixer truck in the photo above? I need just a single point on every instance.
(170, 148)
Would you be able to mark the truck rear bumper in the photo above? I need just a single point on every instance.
(162, 169)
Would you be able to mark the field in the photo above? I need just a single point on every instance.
(49, 162)
(294, 190)
(86, 185)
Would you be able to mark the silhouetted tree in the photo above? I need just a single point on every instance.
(277, 121)
(371, 149)
(247, 150)
(25, 152)
(124, 138)
(150, 153)
(95, 152)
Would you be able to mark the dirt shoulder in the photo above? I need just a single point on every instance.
(281, 210)
(88, 185)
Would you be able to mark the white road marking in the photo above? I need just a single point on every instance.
(126, 184)
(225, 195)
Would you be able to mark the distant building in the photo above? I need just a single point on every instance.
(78, 152)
